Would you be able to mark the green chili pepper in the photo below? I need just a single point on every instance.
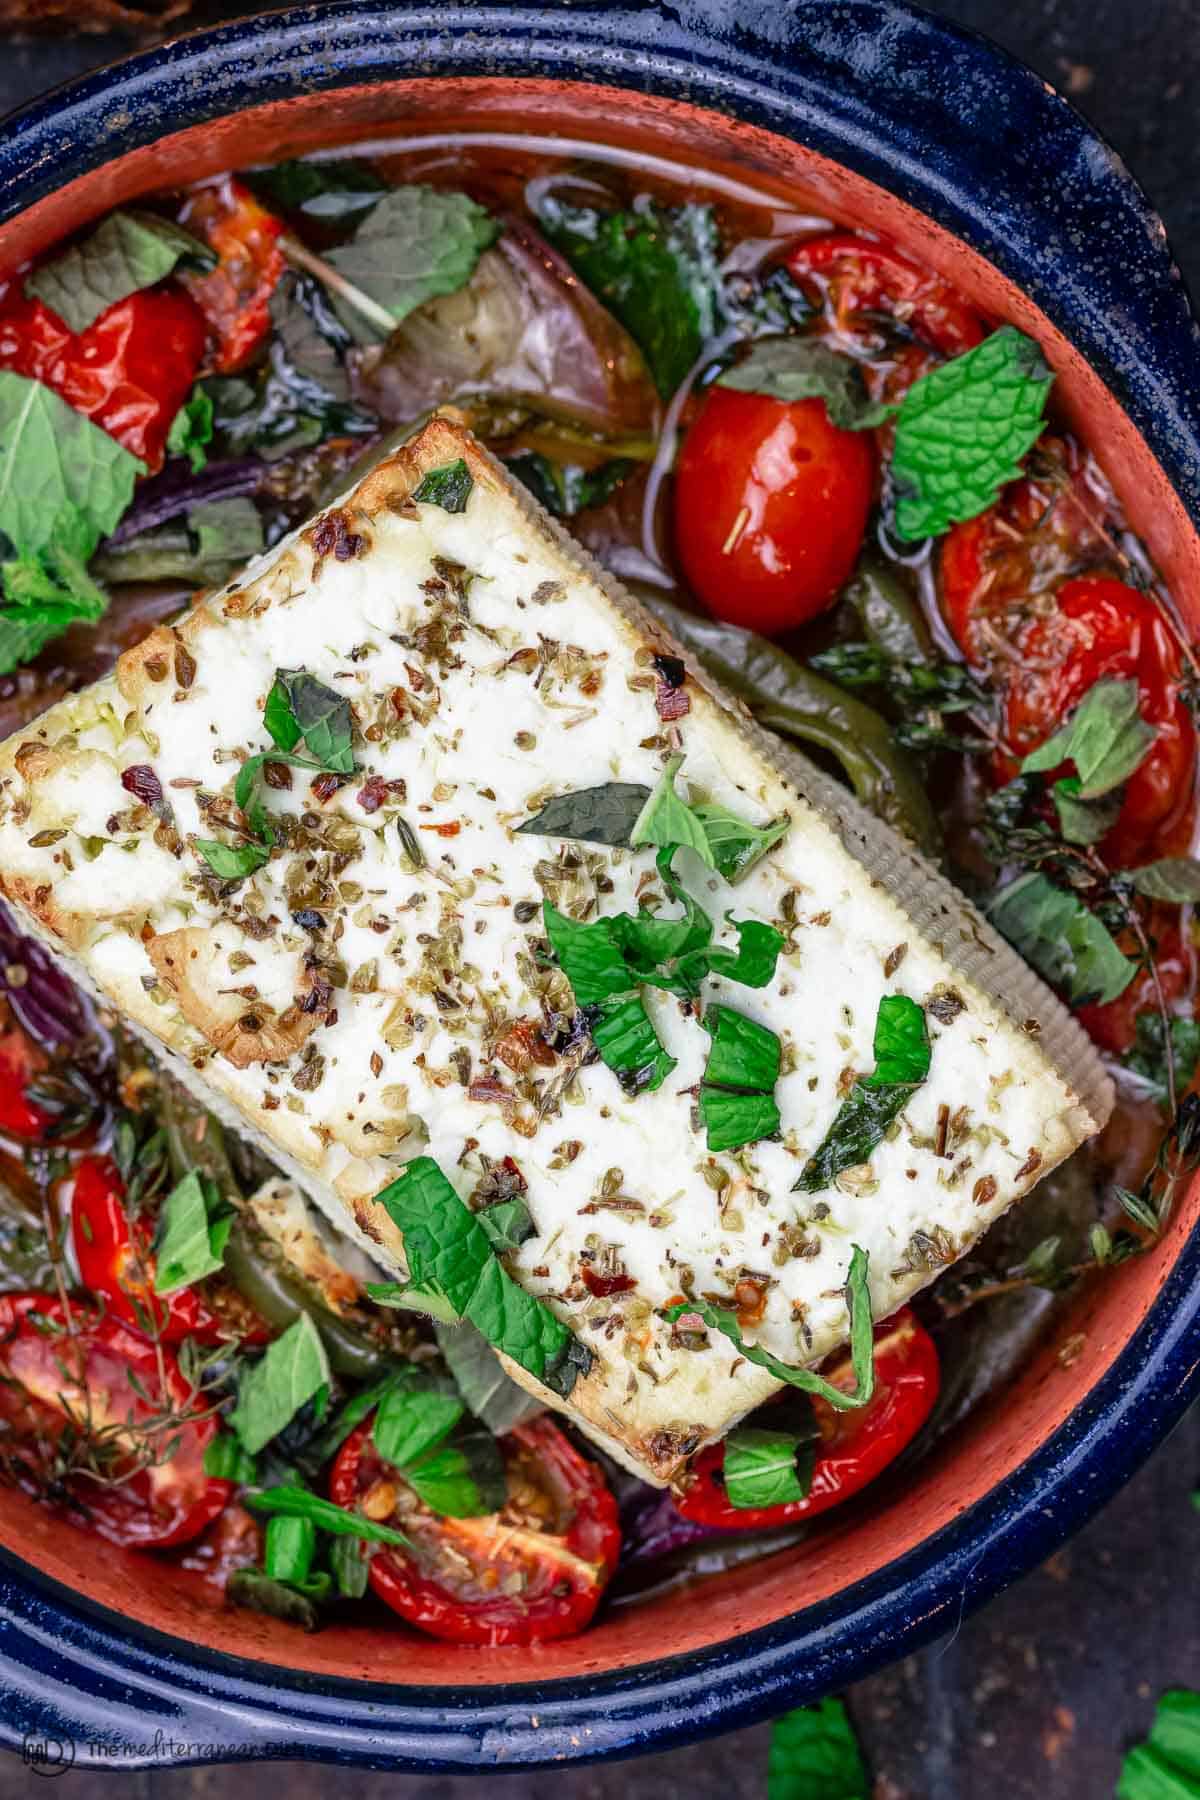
(891, 618)
(288, 1549)
(787, 698)
(265, 1282)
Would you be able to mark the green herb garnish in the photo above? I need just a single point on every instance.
(768, 1467)
(1167, 1766)
(415, 243)
(291, 1371)
(1105, 737)
(128, 251)
(595, 815)
(1147, 1057)
(336, 192)
(287, 1501)
(564, 489)
(193, 1230)
(1174, 878)
(804, 368)
(902, 1057)
(192, 428)
(736, 1101)
(225, 1460)
(1065, 943)
(448, 487)
(815, 1756)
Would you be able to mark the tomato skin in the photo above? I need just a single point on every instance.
(21, 1061)
(858, 274)
(558, 1598)
(855, 1447)
(129, 373)
(154, 1508)
(770, 506)
(234, 297)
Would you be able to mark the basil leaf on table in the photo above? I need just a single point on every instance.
(192, 1234)
(815, 1756)
(1068, 945)
(768, 1467)
(858, 1300)
(902, 1058)
(126, 252)
(449, 1252)
(448, 487)
(962, 430)
(805, 368)
(657, 271)
(415, 243)
(1105, 737)
(292, 1369)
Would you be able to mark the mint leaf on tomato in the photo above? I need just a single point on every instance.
(127, 251)
(804, 368)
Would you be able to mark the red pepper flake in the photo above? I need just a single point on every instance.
(324, 787)
(487, 1090)
(141, 781)
(604, 1285)
(373, 793)
(450, 829)
(523, 1045)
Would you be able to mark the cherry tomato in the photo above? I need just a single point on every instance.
(857, 275)
(235, 297)
(21, 1061)
(771, 502)
(855, 1447)
(533, 1571)
(1100, 628)
(81, 1374)
(130, 372)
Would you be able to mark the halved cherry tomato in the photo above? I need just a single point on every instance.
(67, 1374)
(130, 372)
(770, 506)
(855, 1447)
(235, 297)
(856, 275)
(21, 1061)
(534, 1571)
(117, 1265)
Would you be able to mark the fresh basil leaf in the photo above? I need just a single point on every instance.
(589, 954)
(1147, 1057)
(744, 1054)
(494, 1397)
(1105, 737)
(314, 339)
(764, 1467)
(63, 481)
(192, 1235)
(253, 1591)
(192, 428)
(323, 1445)
(670, 822)
(127, 251)
(1175, 878)
(290, 1371)
(815, 1756)
(448, 487)
(301, 707)
(858, 1300)
(349, 1567)
(565, 489)
(735, 844)
(289, 1546)
(413, 1417)
(595, 815)
(1083, 821)
(805, 368)
(421, 1297)
(337, 191)
(902, 1057)
(1175, 1733)
(462, 1478)
(225, 1460)
(656, 270)
(1068, 945)
(732, 1120)
(416, 243)
(624, 1034)
(508, 1223)
(232, 862)
(287, 1501)
(447, 1250)
(962, 429)
(754, 961)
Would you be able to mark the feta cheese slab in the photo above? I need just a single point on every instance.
(380, 987)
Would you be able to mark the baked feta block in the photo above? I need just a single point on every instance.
(373, 982)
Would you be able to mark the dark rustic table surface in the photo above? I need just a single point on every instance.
(1034, 1698)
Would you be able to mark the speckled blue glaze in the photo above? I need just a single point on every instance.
(977, 142)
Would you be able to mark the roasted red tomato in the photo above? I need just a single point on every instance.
(534, 1571)
(130, 372)
(855, 1447)
(235, 297)
(81, 1389)
(771, 502)
(859, 275)
(21, 1062)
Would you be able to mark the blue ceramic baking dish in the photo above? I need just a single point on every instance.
(881, 115)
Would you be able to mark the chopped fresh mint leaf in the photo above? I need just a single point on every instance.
(1068, 945)
(415, 243)
(805, 368)
(422, 1297)
(290, 1372)
(1083, 821)
(127, 251)
(858, 1300)
(733, 1120)
(734, 843)
(902, 1057)
(462, 1477)
(590, 955)
(1167, 1766)
(225, 1460)
(494, 1397)
(962, 430)
(1174, 878)
(291, 1502)
(736, 1101)
(301, 707)
(508, 1223)
(624, 1034)
(669, 822)
(1105, 737)
(192, 1233)
(414, 1416)
(754, 961)
(448, 487)
(192, 428)
(232, 862)
(449, 1252)
(765, 1467)
(595, 815)
(564, 489)
(815, 1756)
